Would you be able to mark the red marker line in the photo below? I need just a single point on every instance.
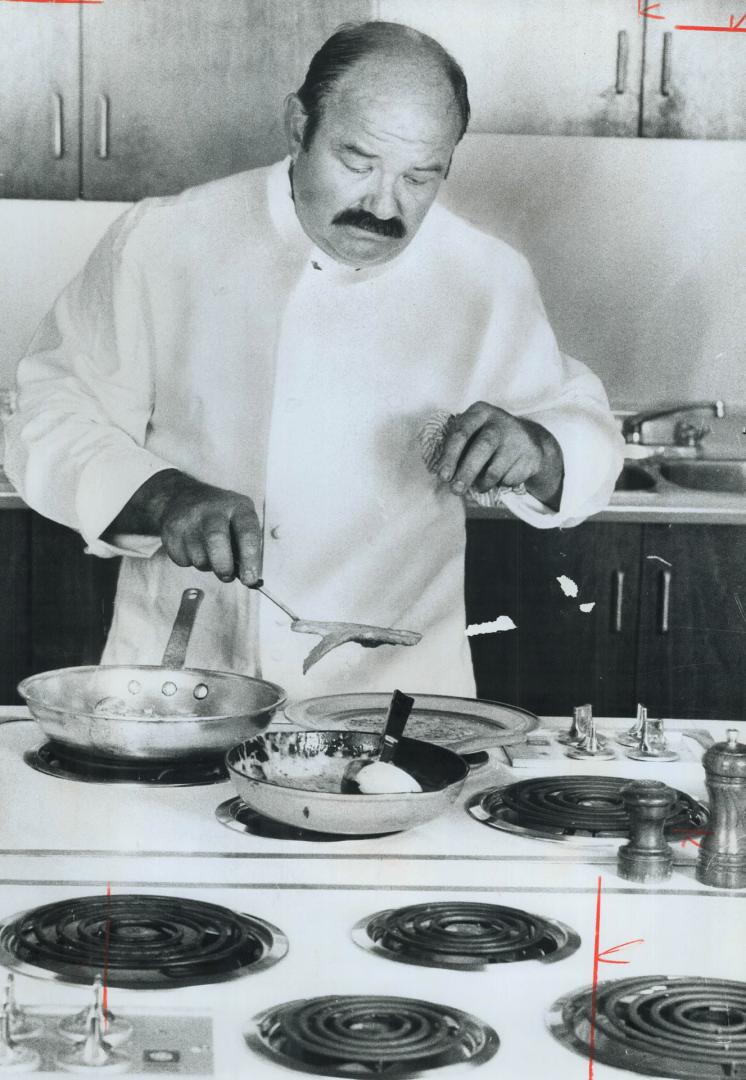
(596, 958)
(53, 1)
(644, 12)
(105, 979)
(733, 27)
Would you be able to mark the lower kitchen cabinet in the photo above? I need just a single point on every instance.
(558, 656)
(58, 601)
(692, 645)
(668, 626)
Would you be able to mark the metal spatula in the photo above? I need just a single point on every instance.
(333, 634)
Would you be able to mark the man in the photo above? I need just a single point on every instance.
(236, 381)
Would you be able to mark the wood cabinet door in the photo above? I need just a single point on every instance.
(176, 94)
(558, 656)
(695, 71)
(556, 67)
(692, 659)
(39, 101)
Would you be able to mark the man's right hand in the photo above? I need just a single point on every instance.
(203, 526)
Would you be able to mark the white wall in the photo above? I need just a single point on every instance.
(638, 246)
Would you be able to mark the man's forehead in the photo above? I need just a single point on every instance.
(406, 108)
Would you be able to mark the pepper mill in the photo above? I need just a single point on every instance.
(722, 852)
(647, 856)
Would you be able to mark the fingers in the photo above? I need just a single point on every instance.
(462, 429)
(214, 530)
(247, 539)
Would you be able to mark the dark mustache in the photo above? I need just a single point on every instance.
(364, 220)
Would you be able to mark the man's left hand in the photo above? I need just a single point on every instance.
(487, 447)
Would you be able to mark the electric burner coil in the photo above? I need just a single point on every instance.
(464, 936)
(687, 1028)
(357, 1036)
(567, 807)
(138, 942)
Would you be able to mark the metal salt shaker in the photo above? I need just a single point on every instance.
(722, 852)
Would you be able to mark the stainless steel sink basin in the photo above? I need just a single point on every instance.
(719, 476)
(635, 478)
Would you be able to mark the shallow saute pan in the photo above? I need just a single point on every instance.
(157, 713)
(296, 777)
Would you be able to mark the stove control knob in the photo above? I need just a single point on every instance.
(14, 1056)
(581, 718)
(94, 1054)
(652, 744)
(722, 852)
(647, 856)
(76, 1027)
(20, 1024)
(592, 745)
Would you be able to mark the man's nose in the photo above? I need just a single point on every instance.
(381, 199)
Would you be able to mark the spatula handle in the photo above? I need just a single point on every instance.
(396, 719)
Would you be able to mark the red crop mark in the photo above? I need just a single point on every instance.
(644, 12)
(594, 988)
(105, 976)
(53, 1)
(690, 834)
(733, 27)
(601, 958)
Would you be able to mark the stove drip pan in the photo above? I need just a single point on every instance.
(236, 815)
(464, 936)
(374, 1036)
(54, 759)
(574, 807)
(659, 1026)
(138, 942)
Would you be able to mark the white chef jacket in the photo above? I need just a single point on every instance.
(209, 334)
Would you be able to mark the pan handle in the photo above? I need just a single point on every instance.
(178, 643)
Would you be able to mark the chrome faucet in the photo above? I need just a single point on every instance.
(632, 425)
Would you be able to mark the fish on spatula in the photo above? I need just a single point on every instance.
(334, 634)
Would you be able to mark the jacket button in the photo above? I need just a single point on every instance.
(274, 532)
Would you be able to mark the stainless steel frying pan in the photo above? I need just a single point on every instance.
(158, 713)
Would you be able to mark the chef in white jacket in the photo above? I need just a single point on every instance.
(234, 385)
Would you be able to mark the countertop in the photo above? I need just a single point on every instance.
(666, 503)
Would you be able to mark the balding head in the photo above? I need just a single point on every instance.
(371, 133)
(357, 50)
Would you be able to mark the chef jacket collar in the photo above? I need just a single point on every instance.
(285, 220)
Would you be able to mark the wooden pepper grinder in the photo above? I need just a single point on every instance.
(722, 852)
(647, 856)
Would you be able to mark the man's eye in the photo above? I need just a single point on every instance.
(357, 168)
(416, 181)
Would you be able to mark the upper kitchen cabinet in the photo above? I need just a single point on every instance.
(39, 101)
(175, 94)
(695, 72)
(565, 67)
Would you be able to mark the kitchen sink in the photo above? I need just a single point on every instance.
(635, 478)
(719, 476)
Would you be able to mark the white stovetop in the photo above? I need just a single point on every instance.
(59, 839)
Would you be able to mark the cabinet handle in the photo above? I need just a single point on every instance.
(666, 64)
(622, 60)
(102, 146)
(665, 607)
(58, 146)
(618, 600)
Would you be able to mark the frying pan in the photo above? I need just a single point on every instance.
(162, 713)
(296, 777)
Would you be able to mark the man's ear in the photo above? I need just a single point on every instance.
(296, 119)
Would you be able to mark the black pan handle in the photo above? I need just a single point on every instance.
(181, 632)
